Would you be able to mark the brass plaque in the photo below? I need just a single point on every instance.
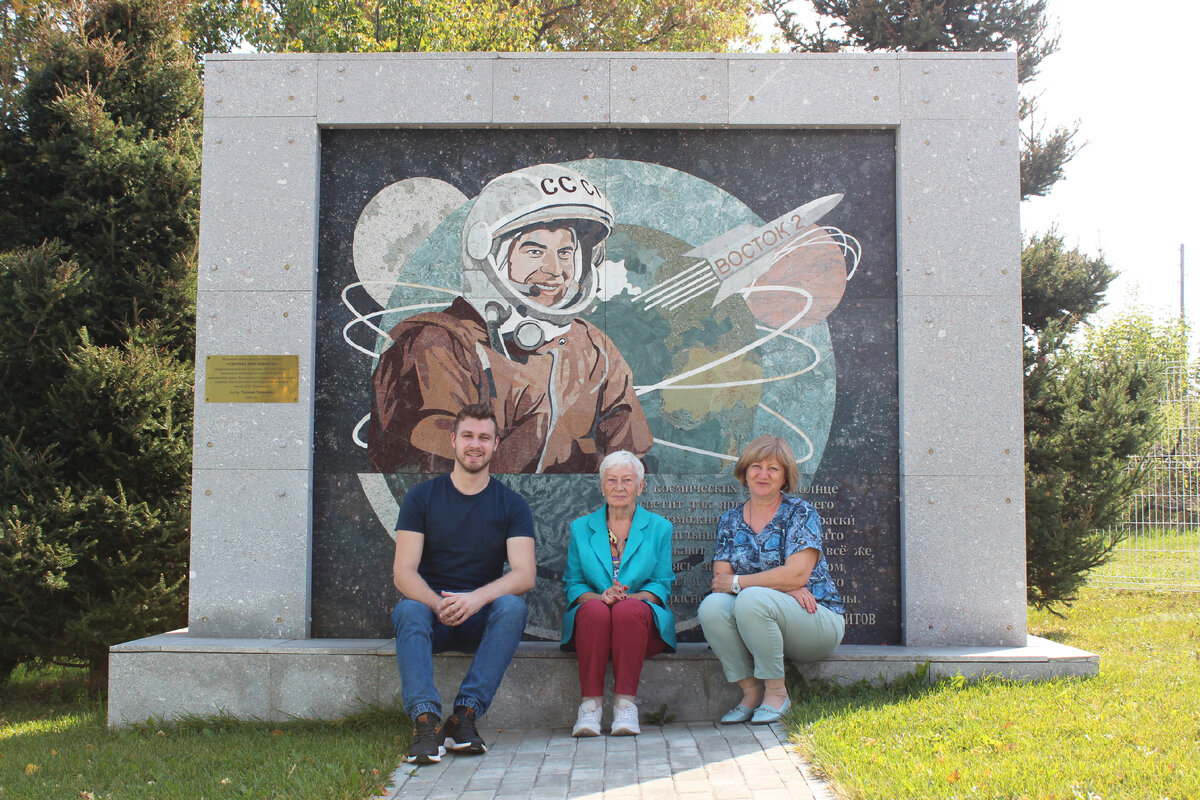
(252, 379)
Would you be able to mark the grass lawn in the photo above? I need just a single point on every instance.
(1153, 557)
(1133, 731)
(54, 744)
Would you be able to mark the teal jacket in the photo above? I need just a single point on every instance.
(645, 566)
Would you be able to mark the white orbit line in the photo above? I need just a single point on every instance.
(365, 321)
(350, 306)
(358, 429)
(356, 284)
(807, 239)
(827, 234)
(721, 456)
(641, 390)
(811, 450)
(848, 244)
(360, 318)
(754, 381)
(791, 336)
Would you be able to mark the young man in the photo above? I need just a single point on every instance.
(453, 537)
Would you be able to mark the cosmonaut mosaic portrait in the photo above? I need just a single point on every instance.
(671, 293)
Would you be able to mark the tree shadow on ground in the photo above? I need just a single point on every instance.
(814, 699)
(1059, 635)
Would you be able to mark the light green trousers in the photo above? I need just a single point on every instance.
(752, 631)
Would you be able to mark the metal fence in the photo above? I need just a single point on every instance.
(1161, 544)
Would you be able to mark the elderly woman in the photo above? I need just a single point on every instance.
(772, 595)
(617, 582)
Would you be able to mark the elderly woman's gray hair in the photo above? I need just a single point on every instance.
(622, 458)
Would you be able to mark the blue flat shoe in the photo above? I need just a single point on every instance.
(765, 714)
(738, 713)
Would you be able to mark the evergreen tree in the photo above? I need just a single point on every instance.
(1084, 417)
(1088, 412)
(955, 26)
(99, 157)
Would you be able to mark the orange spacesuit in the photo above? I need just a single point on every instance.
(563, 395)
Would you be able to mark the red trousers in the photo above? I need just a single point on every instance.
(623, 631)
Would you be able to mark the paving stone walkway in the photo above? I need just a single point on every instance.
(688, 761)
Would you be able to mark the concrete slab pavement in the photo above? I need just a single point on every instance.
(679, 761)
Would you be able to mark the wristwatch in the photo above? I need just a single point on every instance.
(736, 586)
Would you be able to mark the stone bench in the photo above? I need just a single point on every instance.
(275, 679)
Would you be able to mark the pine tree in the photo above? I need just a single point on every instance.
(99, 157)
(1088, 412)
(1084, 417)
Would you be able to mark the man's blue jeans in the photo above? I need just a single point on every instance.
(492, 635)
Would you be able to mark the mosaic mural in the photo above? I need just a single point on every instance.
(671, 293)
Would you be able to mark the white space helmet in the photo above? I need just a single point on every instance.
(506, 207)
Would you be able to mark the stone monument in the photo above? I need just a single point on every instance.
(825, 248)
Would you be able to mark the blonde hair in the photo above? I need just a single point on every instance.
(769, 448)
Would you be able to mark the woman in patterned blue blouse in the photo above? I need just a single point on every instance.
(772, 594)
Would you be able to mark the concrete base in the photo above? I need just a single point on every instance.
(175, 674)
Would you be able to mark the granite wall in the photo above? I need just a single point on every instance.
(887, 351)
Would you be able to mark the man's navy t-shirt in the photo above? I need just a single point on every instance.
(466, 535)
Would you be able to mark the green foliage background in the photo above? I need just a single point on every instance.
(1089, 410)
(99, 179)
(1086, 413)
(469, 25)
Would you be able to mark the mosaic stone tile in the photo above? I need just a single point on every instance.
(736, 311)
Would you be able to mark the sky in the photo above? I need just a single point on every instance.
(1131, 191)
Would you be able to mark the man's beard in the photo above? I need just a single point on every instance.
(483, 463)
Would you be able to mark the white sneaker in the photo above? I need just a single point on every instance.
(587, 722)
(625, 719)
